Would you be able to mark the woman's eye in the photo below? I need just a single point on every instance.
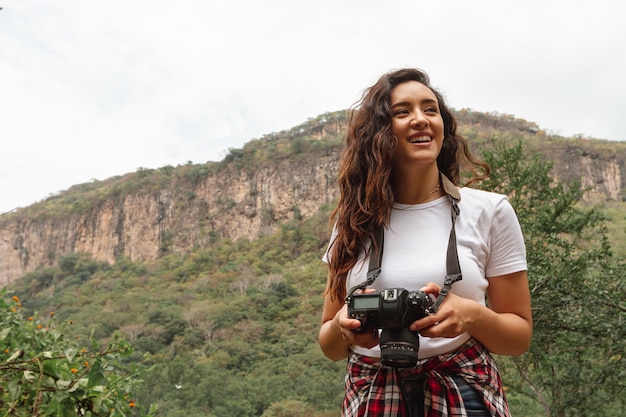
(430, 110)
(400, 112)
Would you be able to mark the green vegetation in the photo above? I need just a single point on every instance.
(233, 327)
(45, 372)
(298, 143)
(87, 197)
(576, 364)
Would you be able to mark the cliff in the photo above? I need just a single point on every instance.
(150, 213)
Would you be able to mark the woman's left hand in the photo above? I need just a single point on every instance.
(454, 317)
(504, 328)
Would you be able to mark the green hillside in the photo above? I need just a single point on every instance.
(226, 323)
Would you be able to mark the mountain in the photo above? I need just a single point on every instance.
(281, 176)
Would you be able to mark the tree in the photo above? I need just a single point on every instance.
(45, 372)
(576, 363)
(289, 408)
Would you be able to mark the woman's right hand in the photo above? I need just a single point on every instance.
(348, 327)
(338, 331)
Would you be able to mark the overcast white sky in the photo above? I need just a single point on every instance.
(89, 90)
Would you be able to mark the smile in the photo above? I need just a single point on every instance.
(419, 139)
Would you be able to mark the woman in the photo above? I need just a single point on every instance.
(399, 172)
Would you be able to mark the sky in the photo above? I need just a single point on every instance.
(91, 90)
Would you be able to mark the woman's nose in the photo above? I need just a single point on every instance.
(419, 119)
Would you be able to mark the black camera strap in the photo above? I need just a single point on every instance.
(453, 268)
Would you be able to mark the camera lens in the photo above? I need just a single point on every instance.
(398, 347)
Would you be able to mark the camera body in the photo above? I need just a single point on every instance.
(392, 310)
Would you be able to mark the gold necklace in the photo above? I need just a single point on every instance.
(429, 194)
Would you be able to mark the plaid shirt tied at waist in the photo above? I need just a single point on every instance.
(373, 390)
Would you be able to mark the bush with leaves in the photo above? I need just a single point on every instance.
(576, 363)
(44, 371)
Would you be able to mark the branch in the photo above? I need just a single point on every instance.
(541, 398)
(617, 306)
(6, 365)
(39, 393)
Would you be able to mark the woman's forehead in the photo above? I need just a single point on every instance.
(412, 90)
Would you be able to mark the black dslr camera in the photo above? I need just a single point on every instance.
(392, 310)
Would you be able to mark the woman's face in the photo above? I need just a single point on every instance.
(417, 124)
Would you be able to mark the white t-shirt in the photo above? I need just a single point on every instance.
(489, 242)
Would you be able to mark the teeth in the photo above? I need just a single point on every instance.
(419, 139)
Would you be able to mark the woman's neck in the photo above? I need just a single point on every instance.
(416, 187)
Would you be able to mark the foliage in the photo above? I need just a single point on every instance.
(88, 197)
(298, 143)
(616, 216)
(576, 364)
(43, 372)
(231, 329)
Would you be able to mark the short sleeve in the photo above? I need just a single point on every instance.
(507, 249)
(333, 236)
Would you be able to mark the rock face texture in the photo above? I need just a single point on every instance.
(234, 201)
(146, 224)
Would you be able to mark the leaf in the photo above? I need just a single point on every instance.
(70, 353)
(50, 367)
(30, 376)
(98, 388)
(4, 333)
(18, 354)
(81, 383)
(63, 384)
(15, 389)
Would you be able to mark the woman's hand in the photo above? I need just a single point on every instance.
(504, 328)
(348, 328)
(338, 331)
(454, 317)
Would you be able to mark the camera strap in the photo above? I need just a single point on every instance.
(453, 268)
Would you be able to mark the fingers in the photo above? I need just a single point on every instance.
(437, 329)
(431, 288)
(367, 339)
(425, 323)
(349, 324)
(456, 316)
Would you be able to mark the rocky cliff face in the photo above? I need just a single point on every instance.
(233, 202)
(602, 175)
(147, 224)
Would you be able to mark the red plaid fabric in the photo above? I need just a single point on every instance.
(373, 390)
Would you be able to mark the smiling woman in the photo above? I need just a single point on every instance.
(398, 183)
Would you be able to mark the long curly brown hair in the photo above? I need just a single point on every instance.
(366, 197)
